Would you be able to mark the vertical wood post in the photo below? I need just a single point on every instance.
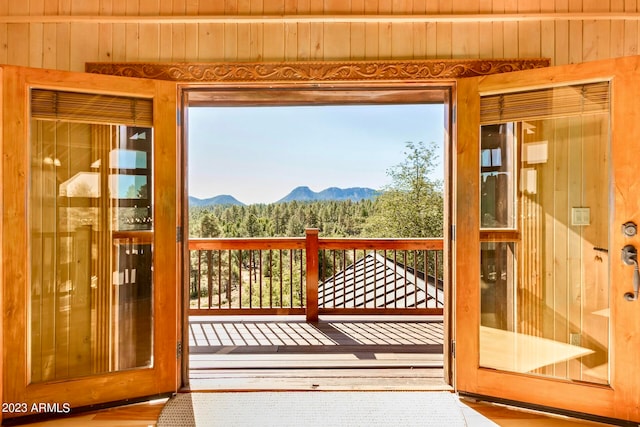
(311, 247)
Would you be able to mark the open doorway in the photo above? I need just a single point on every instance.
(351, 164)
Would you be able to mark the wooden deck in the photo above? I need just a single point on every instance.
(335, 353)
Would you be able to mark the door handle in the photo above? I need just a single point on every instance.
(630, 257)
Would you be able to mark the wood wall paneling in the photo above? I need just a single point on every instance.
(272, 42)
(36, 37)
(510, 40)
(630, 40)
(149, 42)
(547, 39)
(444, 47)
(18, 35)
(63, 46)
(564, 38)
(290, 41)
(4, 43)
(575, 42)
(191, 43)
(105, 42)
(103, 30)
(419, 36)
(529, 39)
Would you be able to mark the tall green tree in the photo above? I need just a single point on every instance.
(252, 226)
(413, 204)
(209, 226)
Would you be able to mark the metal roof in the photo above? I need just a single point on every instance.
(378, 282)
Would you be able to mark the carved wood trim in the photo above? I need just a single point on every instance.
(329, 71)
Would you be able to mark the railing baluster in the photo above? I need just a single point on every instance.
(270, 278)
(436, 276)
(290, 278)
(240, 278)
(209, 276)
(344, 278)
(281, 276)
(220, 279)
(230, 279)
(375, 278)
(405, 262)
(384, 302)
(334, 260)
(199, 277)
(395, 273)
(261, 283)
(322, 275)
(364, 278)
(303, 282)
(250, 277)
(333, 274)
(416, 266)
(425, 260)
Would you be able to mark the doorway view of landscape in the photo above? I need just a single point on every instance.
(246, 162)
(261, 177)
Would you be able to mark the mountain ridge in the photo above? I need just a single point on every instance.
(299, 194)
(305, 194)
(222, 199)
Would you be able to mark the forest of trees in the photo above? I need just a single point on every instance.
(333, 218)
(411, 206)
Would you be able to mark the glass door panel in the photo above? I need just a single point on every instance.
(498, 176)
(91, 276)
(545, 294)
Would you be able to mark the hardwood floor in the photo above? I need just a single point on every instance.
(146, 415)
(135, 415)
(505, 416)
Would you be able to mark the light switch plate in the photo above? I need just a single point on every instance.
(580, 216)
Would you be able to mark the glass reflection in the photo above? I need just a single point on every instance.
(545, 297)
(91, 277)
(497, 192)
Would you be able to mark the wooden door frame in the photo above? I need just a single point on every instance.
(567, 396)
(159, 379)
(309, 94)
(265, 76)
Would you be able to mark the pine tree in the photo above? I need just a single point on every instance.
(209, 225)
(252, 226)
(413, 204)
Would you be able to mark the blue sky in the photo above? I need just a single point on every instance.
(259, 154)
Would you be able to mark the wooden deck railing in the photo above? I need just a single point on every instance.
(313, 276)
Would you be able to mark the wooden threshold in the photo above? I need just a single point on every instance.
(424, 379)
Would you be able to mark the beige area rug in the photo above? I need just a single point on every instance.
(315, 408)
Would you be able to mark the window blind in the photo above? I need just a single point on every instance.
(591, 98)
(91, 108)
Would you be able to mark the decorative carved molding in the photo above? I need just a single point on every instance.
(234, 72)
